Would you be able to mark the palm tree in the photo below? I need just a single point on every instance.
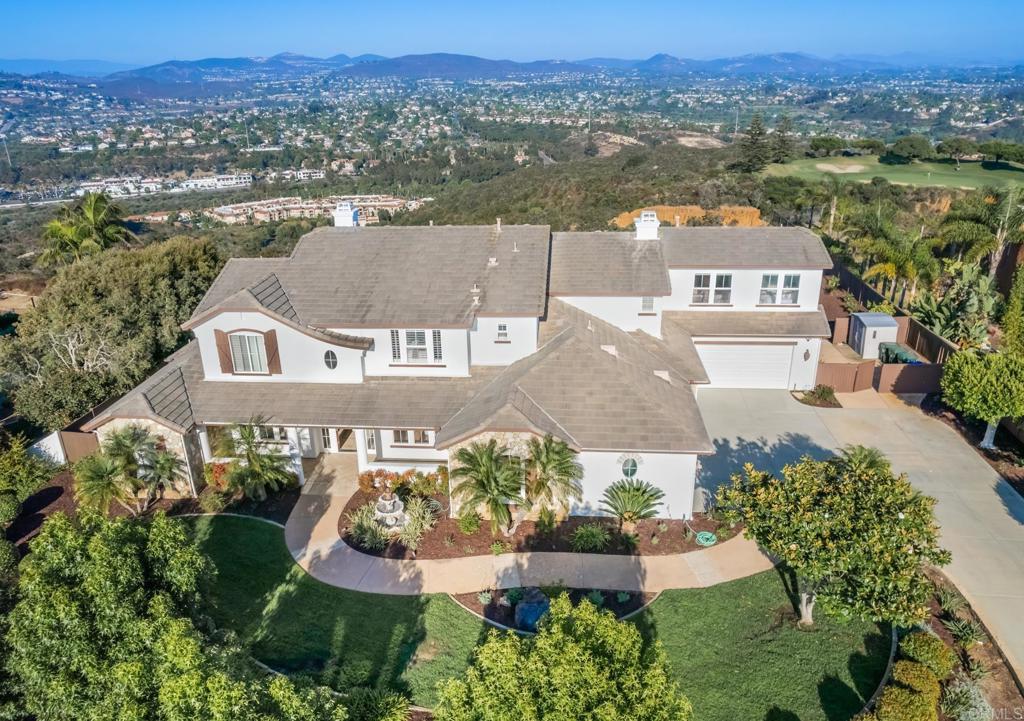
(164, 469)
(552, 473)
(903, 259)
(100, 481)
(489, 478)
(132, 448)
(862, 460)
(985, 223)
(257, 468)
(87, 227)
(632, 500)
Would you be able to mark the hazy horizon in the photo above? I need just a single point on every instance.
(941, 31)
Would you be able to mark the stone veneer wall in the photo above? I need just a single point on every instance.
(172, 440)
(517, 443)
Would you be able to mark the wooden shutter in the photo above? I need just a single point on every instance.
(273, 355)
(224, 352)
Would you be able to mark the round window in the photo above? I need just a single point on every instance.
(629, 468)
(330, 360)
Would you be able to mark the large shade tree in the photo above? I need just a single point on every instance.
(856, 536)
(103, 630)
(985, 386)
(583, 665)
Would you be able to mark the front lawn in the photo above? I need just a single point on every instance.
(733, 648)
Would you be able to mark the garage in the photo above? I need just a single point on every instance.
(746, 365)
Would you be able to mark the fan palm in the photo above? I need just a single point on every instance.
(257, 469)
(631, 500)
(552, 473)
(100, 481)
(903, 259)
(489, 477)
(87, 227)
(132, 448)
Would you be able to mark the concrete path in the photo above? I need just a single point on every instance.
(311, 534)
(982, 517)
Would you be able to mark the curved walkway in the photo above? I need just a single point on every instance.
(311, 534)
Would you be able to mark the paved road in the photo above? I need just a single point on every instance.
(982, 517)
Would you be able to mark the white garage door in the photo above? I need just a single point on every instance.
(747, 365)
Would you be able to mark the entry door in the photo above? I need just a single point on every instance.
(329, 440)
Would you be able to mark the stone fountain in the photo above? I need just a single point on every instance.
(390, 512)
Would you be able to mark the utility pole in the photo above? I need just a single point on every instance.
(736, 127)
(7, 152)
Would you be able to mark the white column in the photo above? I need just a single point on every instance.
(295, 453)
(204, 442)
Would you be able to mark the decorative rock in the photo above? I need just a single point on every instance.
(530, 610)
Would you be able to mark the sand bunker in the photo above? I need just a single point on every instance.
(832, 168)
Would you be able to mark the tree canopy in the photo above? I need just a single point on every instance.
(102, 325)
(985, 386)
(583, 665)
(856, 536)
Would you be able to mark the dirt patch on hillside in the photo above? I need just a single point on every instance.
(696, 140)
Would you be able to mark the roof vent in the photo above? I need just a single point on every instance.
(663, 375)
(647, 225)
(492, 262)
(475, 290)
(497, 224)
(515, 246)
(610, 350)
(590, 326)
(476, 300)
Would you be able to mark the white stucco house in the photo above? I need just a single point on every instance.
(400, 344)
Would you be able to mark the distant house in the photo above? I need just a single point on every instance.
(403, 344)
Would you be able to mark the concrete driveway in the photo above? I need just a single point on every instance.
(982, 517)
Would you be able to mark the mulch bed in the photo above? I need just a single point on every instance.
(832, 303)
(445, 540)
(1007, 459)
(1001, 688)
(496, 612)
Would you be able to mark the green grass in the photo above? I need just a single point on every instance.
(293, 622)
(734, 648)
(737, 654)
(940, 174)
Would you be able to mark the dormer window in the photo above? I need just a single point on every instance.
(502, 331)
(248, 353)
(647, 304)
(416, 346)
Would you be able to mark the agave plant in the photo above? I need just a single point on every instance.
(631, 500)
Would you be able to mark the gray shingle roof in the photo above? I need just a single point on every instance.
(808, 324)
(731, 247)
(606, 263)
(272, 296)
(400, 276)
(594, 386)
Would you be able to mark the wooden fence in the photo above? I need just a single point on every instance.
(846, 377)
(77, 445)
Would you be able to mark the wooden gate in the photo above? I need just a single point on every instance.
(846, 377)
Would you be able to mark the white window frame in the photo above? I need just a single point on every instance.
(647, 304)
(248, 353)
(401, 436)
(791, 288)
(438, 351)
(326, 435)
(370, 436)
(416, 350)
(502, 331)
(272, 434)
(723, 289)
(396, 346)
(769, 289)
(701, 289)
(421, 438)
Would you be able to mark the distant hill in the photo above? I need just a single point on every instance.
(80, 68)
(458, 67)
(206, 69)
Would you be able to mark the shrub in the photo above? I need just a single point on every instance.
(963, 700)
(883, 306)
(950, 601)
(484, 597)
(428, 484)
(917, 677)
(514, 595)
(831, 282)
(216, 475)
(21, 471)
(213, 501)
(498, 548)
(9, 508)
(546, 521)
(469, 522)
(930, 650)
(8, 558)
(420, 516)
(965, 631)
(822, 394)
(590, 538)
(553, 590)
(631, 500)
(850, 303)
(375, 704)
(976, 669)
(366, 530)
(449, 541)
(902, 704)
(629, 541)
(596, 598)
(623, 596)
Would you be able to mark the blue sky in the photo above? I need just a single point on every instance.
(144, 31)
